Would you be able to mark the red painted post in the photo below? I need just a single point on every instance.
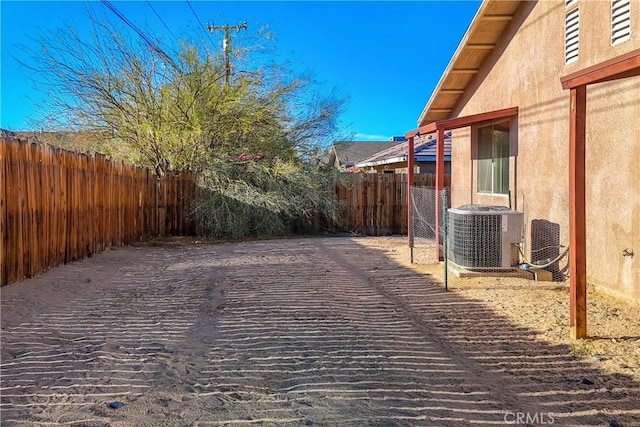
(577, 214)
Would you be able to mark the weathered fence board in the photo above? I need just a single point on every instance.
(57, 206)
(376, 204)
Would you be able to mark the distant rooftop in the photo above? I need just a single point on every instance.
(4, 133)
(348, 153)
(424, 151)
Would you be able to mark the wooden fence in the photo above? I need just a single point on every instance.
(57, 206)
(376, 204)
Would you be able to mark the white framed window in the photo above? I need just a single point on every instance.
(620, 21)
(571, 32)
(493, 158)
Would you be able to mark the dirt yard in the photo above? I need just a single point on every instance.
(613, 326)
(324, 331)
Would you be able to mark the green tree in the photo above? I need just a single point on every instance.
(250, 142)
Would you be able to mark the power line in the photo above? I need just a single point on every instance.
(143, 36)
(161, 20)
(199, 21)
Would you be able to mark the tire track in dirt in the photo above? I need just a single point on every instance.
(337, 335)
(310, 340)
(526, 375)
(86, 352)
(322, 332)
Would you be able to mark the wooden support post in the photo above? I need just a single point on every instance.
(439, 187)
(410, 167)
(620, 67)
(577, 213)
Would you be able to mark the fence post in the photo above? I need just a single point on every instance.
(3, 213)
(410, 182)
(445, 215)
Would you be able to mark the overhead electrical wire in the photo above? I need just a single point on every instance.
(200, 22)
(161, 20)
(143, 36)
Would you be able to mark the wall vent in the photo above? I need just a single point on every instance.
(620, 21)
(571, 35)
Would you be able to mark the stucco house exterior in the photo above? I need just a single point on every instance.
(394, 159)
(543, 102)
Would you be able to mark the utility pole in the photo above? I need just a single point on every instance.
(226, 44)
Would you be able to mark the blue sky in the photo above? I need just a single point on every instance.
(385, 57)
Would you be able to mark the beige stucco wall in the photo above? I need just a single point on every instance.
(524, 71)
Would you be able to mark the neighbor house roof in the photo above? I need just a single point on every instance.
(6, 133)
(424, 151)
(346, 153)
(489, 23)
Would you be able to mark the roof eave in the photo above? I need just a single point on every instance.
(382, 162)
(452, 61)
(447, 158)
(486, 12)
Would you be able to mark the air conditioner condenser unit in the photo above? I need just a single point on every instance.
(484, 237)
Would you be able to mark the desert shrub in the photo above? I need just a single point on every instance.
(264, 198)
